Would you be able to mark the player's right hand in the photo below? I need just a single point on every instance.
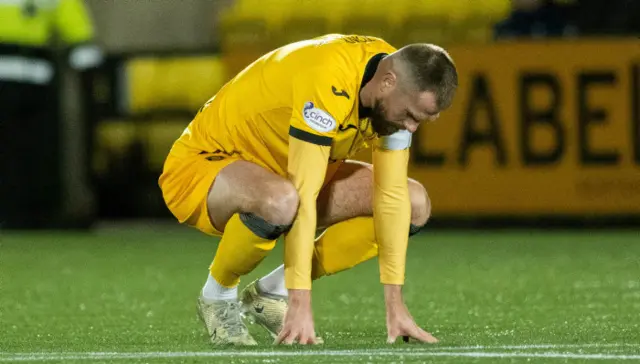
(298, 322)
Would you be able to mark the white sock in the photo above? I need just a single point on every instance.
(214, 291)
(273, 283)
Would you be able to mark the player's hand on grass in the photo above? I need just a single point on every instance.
(298, 322)
(399, 320)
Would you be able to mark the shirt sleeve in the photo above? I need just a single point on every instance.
(319, 105)
(307, 168)
(391, 205)
(317, 111)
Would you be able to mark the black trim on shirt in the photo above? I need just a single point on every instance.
(369, 71)
(311, 138)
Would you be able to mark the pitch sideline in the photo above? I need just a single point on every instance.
(450, 351)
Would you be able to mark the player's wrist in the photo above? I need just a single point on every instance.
(392, 295)
(299, 297)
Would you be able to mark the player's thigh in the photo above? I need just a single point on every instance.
(185, 183)
(349, 194)
(205, 190)
(243, 186)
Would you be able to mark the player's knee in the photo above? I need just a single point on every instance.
(420, 203)
(275, 211)
(280, 204)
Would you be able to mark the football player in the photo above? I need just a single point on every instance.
(269, 155)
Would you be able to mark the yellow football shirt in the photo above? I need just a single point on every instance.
(295, 110)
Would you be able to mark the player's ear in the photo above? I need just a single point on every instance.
(389, 81)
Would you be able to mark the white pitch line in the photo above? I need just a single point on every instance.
(398, 349)
(550, 355)
(536, 346)
(5, 357)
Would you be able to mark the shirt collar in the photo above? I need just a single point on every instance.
(369, 71)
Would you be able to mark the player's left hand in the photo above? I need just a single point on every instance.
(399, 320)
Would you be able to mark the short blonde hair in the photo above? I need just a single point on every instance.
(430, 68)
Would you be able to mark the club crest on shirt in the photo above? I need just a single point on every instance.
(318, 120)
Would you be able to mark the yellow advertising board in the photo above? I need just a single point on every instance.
(537, 128)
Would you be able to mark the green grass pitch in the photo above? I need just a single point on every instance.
(127, 295)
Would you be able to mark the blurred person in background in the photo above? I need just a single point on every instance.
(536, 19)
(610, 17)
(30, 136)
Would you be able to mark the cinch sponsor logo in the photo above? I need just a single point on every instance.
(317, 119)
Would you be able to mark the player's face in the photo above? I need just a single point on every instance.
(401, 110)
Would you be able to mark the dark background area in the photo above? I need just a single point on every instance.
(118, 120)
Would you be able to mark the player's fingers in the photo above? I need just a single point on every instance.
(307, 340)
(428, 337)
(281, 336)
(391, 338)
(424, 336)
(313, 339)
(308, 337)
(291, 338)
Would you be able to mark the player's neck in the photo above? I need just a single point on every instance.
(366, 96)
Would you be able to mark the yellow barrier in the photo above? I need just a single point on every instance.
(251, 28)
(115, 141)
(182, 83)
(549, 128)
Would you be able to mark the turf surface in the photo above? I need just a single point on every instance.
(128, 295)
